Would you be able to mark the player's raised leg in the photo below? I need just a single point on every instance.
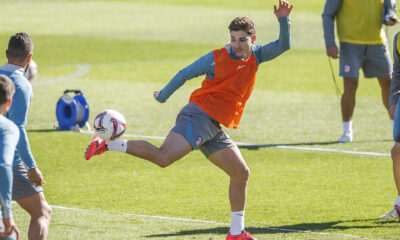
(231, 161)
(175, 146)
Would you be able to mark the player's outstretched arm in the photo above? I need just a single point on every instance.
(202, 66)
(283, 9)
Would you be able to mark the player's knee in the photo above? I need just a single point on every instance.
(47, 212)
(164, 164)
(43, 216)
(244, 175)
(164, 161)
(350, 86)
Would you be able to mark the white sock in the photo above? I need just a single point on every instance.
(117, 145)
(392, 122)
(237, 223)
(348, 126)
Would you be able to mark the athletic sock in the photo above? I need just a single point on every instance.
(237, 223)
(117, 145)
(397, 201)
(348, 126)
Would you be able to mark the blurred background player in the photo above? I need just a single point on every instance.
(9, 136)
(395, 111)
(230, 77)
(362, 45)
(28, 179)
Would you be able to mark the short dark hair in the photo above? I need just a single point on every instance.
(20, 46)
(7, 89)
(243, 24)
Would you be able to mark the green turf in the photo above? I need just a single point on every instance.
(130, 49)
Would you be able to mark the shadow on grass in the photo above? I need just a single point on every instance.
(257, 146)
(44, 130)
(333, 228)
(304, 144)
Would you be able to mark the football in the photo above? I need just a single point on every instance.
(109, 125)
(32, 70)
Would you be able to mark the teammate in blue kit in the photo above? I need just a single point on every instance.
(9, 136)
(395, 112)
(362, 45)
(230, 74)
(28, 179)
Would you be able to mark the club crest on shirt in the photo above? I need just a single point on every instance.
(346, 68)
(199, 140)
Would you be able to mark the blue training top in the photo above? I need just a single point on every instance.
(205, 65)
(18, 112)
(9, 136)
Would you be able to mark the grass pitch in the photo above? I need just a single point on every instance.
(119, 52)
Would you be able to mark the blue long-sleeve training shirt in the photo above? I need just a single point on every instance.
(9, 136)
(18, 112)
(205, 65)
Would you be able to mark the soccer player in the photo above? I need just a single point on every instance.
(230, 76)
(362, 45)
(395, 112)
(9, 136)
(28, 179)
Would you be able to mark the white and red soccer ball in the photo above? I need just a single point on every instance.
(109, 125)
(32, 70)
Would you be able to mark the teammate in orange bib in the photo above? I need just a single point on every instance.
(230, 75)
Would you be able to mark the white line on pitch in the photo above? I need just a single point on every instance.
(209, 222)
(81, 69)
(272, 146)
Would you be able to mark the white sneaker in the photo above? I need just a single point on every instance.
(390, 215)
(346, 137)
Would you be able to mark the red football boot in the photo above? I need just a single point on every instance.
(244, 236)
(96, 146)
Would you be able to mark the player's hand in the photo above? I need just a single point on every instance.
(390, 21)
(332, 51)
(9, 228)
(283, 10)
(35, 176)
(155, 94)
